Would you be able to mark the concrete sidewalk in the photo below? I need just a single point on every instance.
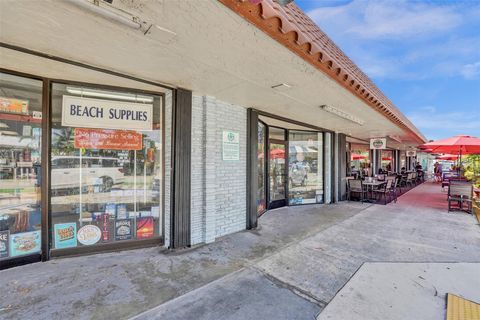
(122, 284)
(398, 291)
(290, 268)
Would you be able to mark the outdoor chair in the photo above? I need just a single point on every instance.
(460, 192)
(409, 181)
(414, 178)
(387, 189)
(356, 186)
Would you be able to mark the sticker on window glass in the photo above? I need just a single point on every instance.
(144, 227)
(65, 235)
(123, 229)
(4, 239)
(89, 234)
(24, 243)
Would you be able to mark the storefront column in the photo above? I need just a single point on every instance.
(252, 168)
(376, 160)
(328, 165)
(181, 166)
(397, 160)
(340, 167)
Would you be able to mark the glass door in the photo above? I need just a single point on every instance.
(277, 174)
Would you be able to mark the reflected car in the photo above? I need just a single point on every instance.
(104, 172)
(298, 174)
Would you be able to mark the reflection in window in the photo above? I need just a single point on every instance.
(20, 166)
(115, 194)
(261, 204)
(387, 163)
(305, 167)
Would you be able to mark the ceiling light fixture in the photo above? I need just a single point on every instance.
(342, 114)
(109, 95)
(105, 10)
(108, 11)
(281, 87)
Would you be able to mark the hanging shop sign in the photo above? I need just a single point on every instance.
(106, 114)
(11, 105)
(24, 243)
(378, 143)
(411, 153)
(231, 146)
(89, 234)
(4, 239)
(65, 235)
(107, 139)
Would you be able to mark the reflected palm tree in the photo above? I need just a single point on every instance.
(62, 141)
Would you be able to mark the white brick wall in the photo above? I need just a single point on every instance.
(218, 187)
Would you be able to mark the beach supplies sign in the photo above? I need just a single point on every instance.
(106, 114)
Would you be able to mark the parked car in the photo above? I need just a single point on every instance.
(298, 174)
(96, 171)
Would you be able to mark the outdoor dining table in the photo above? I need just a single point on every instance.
(370, 185)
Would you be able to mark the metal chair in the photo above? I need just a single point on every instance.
(356, 186)
(387, 189)
(460, 192)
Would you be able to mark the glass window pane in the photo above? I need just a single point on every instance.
(276, 133)
(277, 171)
(305, 167)
(20, 166)
(387, 161)
(261, 203)
(115, 194)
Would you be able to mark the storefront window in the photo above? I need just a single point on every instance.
(261, 204)
(106, 166)
(360, 160)
(305, 167)
(387, 163)
(20, 166)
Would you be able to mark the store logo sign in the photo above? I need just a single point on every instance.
(106, 114)
(89, 234)
(411, 153)
(378, 143)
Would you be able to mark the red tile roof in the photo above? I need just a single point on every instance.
(293, 28)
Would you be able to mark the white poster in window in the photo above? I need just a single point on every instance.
(106, 114)
(231, 146)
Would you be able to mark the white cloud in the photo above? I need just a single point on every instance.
(471, 71)
(388, 19)
(405, 40)
(445, 124)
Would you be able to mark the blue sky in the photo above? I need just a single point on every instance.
(424, 55)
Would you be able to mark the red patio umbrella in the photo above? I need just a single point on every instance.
(455, 145)
(450, 157)
(277, 154)
(356, 156)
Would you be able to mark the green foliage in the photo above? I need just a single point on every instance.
(471, 163)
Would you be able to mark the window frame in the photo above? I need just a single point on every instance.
(45, 201)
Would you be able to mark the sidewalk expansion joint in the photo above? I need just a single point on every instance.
(297, 291)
